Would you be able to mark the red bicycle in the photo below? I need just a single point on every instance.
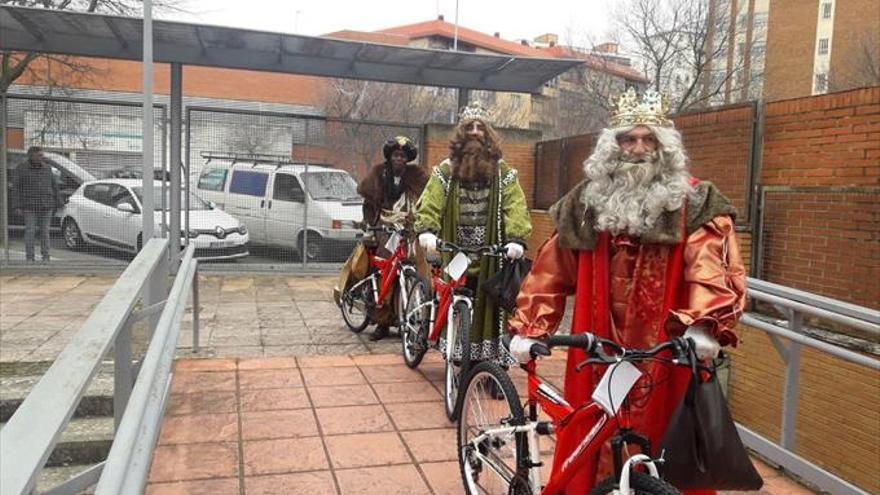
(361, 299)
(498, 445)
(426, 317)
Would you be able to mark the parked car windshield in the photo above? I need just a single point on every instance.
(337, 186)
(195, 203)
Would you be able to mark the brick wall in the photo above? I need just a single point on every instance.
(838, 420)
(825, 242)
(718, 146)
(821, 164)
(122, 75)
(830, 140)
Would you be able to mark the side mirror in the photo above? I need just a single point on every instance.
(126, 207)
(212, 205)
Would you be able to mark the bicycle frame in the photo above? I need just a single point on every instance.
(563, 417)
(387, 272)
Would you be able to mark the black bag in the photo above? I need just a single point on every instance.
(701, 447)
(504, 285)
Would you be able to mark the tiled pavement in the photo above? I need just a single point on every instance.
(345, 425)
(292, 402)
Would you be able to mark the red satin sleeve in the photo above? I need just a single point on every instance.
(714, 282)
(541, 301)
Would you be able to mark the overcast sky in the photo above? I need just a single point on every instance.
(573, 20)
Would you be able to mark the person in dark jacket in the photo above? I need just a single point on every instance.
(37, 197)
(390, 191)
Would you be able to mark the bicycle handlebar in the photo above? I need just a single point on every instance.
(595, 347)
(448, 247)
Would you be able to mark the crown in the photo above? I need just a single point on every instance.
(475, 110)
(650, 111)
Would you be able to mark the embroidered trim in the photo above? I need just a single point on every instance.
(508, 178)
(444, 180)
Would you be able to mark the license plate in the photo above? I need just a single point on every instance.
(220, 244)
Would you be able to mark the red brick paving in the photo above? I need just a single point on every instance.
(335, 425)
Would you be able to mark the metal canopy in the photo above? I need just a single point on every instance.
(104, 36)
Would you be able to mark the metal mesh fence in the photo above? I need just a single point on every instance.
(289, 181)
(83, 141)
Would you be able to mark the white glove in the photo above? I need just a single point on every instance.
(514, 250)
(705, 344)
(428, 241)
(520, 348)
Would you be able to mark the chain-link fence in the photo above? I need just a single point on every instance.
(289, 181)
(83, 141)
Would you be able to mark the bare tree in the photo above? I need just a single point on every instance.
(685, 46)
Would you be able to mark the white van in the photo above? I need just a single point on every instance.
(272, 200)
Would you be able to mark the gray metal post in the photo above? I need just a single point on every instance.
(195, 310)
(305, 230)
(174, 203)
(147, 66)
(792, 385)
(123, 379)
(4, 201)
(187, 173)
(464, 94)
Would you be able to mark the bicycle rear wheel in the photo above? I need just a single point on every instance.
(415, 320)
(457, 372)
(492, 465)
(640, 483)
(355, 303)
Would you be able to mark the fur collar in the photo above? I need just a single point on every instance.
(574, 221)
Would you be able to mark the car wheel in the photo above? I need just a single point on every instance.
(73, 238)
(313, 249)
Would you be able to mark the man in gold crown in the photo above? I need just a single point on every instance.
(649, 253)
(473, 198)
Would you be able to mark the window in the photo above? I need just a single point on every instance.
(247, 182)
(821, 84)
(333, 186)
(99, 193)
(213, 179)
(826, 10)
(287, 188)
(119, 195)
(823, 46)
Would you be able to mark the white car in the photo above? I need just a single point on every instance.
(108, 213)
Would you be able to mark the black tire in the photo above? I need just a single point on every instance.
(72, 235)
(414, 323)
(314, 247)
(455, 374)
(353, 298)
(481, 408)
(641, 483)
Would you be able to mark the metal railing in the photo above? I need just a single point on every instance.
(795, 304)
(32, 432)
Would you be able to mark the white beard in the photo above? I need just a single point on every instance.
(629, 197)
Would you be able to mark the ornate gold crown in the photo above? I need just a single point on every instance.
(475, 110)
(650, 111)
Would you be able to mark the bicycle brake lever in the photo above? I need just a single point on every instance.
(586, 362)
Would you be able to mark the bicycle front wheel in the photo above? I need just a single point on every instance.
(460, 332)
(355, 304)
(415, 320)
(491, 460)
(640, 484)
